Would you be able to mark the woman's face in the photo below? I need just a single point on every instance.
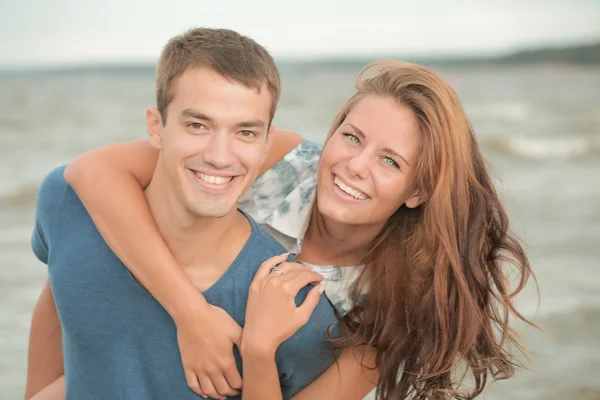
(367, 166)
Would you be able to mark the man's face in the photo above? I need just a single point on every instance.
(214, 141)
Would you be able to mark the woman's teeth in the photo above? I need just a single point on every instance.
(348, 190)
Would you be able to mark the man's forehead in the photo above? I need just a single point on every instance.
(218, 98)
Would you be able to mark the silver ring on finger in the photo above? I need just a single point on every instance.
(276, 270)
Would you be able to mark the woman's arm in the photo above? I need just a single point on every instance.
(109, 181)
(272, 317)
(353, 376)
(54, 391)
(45, 361)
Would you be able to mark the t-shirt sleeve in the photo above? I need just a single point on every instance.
(48, 201)
(273, 187)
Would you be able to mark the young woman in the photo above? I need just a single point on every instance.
(398, 214)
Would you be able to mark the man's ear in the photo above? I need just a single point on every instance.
(415, 200)
(154, 127)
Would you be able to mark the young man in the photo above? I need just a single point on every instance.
(216, 96)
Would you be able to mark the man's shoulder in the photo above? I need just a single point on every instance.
(48, 204)
(53, 185)
(55, 195)
(58, 206)
(50, 196)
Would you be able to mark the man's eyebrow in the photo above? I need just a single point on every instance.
(255, 123)
(188, 112)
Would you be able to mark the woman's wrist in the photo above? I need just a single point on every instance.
(185, 302)
(257, 348)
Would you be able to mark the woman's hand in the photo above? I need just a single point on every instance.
(206, 343)
(271, 314)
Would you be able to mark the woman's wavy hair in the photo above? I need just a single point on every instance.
(441, 277)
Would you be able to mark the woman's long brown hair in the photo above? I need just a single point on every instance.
(439, 297)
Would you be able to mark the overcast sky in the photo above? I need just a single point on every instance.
(54, 32)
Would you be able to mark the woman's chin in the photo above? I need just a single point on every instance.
(338, 214)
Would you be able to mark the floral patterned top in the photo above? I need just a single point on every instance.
(281, 200)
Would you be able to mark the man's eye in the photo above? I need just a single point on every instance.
(196, 125)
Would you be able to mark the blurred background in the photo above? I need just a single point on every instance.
(77, 75)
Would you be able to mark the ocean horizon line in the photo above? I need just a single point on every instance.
(567, 54)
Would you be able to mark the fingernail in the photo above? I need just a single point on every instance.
(322, 287)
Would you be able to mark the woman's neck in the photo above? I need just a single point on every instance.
(328, 242)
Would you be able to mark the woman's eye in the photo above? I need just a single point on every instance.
(390, 161)
(352, 138)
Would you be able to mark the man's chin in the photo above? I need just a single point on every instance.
(219, 211)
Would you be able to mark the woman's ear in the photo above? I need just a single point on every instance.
(415, 200)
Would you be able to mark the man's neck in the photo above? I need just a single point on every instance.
(194, 240)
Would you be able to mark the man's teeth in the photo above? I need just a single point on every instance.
(216, 180)
(347, 189)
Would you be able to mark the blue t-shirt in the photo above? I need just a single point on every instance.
(118, 341)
